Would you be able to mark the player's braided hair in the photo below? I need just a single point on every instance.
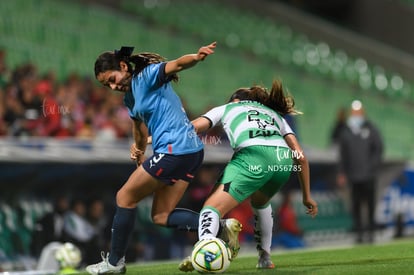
(276, 99)
(110, 61)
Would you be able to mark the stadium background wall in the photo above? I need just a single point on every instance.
(85, 173)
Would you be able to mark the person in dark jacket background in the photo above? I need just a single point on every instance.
(360, 151)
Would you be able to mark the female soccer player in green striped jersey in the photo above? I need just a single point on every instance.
(266, 152)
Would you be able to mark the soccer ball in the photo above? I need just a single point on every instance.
(210, 256)
(68, 255)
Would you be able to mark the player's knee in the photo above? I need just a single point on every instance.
(160, 219)
(124, 200)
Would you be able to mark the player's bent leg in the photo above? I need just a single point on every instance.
(139, 185)
(104, 267)
(229, 233)
(165, 200)
(230, 229)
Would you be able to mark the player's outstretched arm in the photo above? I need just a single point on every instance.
(303, 173)
(201, 124)
(189, 60)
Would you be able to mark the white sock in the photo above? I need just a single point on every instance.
(208, 223)
(263, 227)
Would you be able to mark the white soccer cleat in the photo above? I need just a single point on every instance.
(230, 235)
(186, 265)
(105, 267)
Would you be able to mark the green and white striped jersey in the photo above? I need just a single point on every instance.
(248, 123)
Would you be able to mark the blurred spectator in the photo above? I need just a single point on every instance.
(361, 149)
(99, 221)
(288, 233)
(51, 112)
(41, 106)
(14, 110)
(76, 227)
(49, 228)
(4, 72)
(97, 217)
(86, 130)
(3, 125)
(340, 124)
(122, 122)
(27, 105)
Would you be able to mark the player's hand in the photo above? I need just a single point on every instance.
(136, 154)
(140, 160)
(206, 50)
(312, 207)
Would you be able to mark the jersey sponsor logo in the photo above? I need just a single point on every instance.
(262, 119)
(263, 133)
(155, 160)
(261, 125)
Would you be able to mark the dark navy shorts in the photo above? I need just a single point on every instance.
(171, 168)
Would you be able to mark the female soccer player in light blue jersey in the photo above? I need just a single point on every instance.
(156, 110)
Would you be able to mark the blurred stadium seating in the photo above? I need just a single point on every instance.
(67, 37)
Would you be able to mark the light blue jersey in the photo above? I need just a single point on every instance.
(154, 101)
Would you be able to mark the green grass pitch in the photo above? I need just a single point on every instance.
(391, 258)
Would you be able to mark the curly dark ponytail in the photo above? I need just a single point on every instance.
(276, 99)
(279, 101)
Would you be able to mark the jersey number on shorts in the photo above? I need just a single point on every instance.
(156, 159)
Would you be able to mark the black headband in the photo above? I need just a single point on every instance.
(124, 51)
